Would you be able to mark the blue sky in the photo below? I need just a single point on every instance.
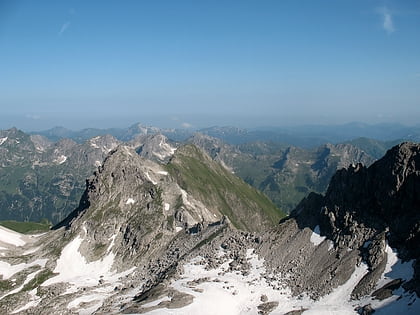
(201, 63)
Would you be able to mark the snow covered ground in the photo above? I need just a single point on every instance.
(219, 291)
(401, 302)
(7, 270)
(11, 237)
(215, 291)
(73, 269)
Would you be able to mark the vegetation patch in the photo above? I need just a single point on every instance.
(40, 278)
(5, 285)
(213, 185)
(27, 227)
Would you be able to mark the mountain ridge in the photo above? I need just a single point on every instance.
(143, 241)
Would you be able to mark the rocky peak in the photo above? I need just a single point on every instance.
(105, 143)
(385, 195)
(372, 205)
(41, 143)
(155, 147)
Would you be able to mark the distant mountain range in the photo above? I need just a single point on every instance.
(307, 136)
(42, 175)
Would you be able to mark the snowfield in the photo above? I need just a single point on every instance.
(73, 268)
(11, 237)
(219, 291)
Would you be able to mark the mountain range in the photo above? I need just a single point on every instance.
(173, 237)
(306, 136)
(42, 175)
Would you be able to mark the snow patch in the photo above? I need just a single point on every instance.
(84, 299)
(150, 179)
(61, 159)
(316, 238)
(167, 206)
(11, 237)
(338, 301)
(98, 163)
(28, 278)
(154, 303)
(395, 268)
(401, 302)
(177, 229)
(185, 198)
(166, 148)
(330, 245)
(7, 270)
(3, 140)
(130, 201)
(73, 268)
(162, 173)
(111, 244)
(31, 250)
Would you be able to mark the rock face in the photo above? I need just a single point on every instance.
(363, 210)
(382, 201)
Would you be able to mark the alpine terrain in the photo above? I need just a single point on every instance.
(183, 235)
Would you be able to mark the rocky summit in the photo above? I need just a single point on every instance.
(183, 235)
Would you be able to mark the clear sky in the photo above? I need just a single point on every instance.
(201, 63)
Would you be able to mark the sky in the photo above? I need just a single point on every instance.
(191, 64)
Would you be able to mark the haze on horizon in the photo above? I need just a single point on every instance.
(246, 63)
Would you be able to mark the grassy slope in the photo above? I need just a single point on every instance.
(26, 227)
(198, 174)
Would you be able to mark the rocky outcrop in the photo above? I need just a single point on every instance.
(363, 210)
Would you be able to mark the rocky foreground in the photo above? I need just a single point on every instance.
(157, 246)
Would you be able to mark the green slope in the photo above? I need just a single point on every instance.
(208, 181)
